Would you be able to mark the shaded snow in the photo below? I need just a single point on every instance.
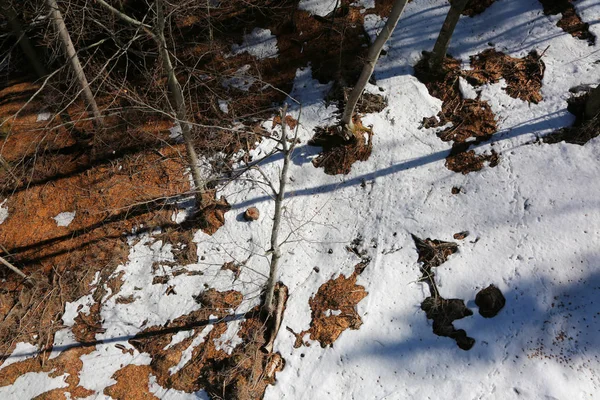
(3, 211)
(260, 43)
(22, 351)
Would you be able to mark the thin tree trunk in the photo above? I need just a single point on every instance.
(369, 67)
(269, 307)
(23, 40)
(73, 59)
(175, 91)
(443, 41)
(592, 106)
(179, 104)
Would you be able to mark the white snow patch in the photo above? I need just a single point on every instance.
(43, 116)
(329, 313)
(241, 79)
(318, 7)
(65, 218)
(22, 351)
(179, 337)
(230, 339)
(260, 43)
(3, 211)
(364, 4)
(224, 106)
(33, 384)
(466, 89)
(176, 133)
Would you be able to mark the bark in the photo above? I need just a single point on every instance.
(443, 41)
(69, 49)
(179, 104)
(372, 57)
(280, 195)
(24, 42)
(592, 106)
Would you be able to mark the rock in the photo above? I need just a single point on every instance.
(251, 214)
(490, 301)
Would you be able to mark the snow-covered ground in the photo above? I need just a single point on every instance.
(534, 224)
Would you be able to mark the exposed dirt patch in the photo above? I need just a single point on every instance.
(468, 161)
(334, 309)
(570, 21)
(475, 7)
(124, 389)
(582, 130)
(523, 76)
(339, 154)
(433, 253)
(243, 374)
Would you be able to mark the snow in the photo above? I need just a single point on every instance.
(43, 116)
(32, 384)
(186, 355)
(22, 351)
(172, 394)
(241, 79)
(175, 133)
(65, 218)
(318, 7)
(224, 106)
(533, 223)
(3, 211)
(260, 43)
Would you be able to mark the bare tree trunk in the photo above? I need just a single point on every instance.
(179, 106)
(175, 90)
(369, 67)
(73, 59)
(269, 307)
(22, 39)
(443, 41)
(592, 106)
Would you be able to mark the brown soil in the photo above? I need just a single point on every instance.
(475, 7)
(468, 161)
(582, 130)
(341, 294)
(243, 374)
(433, 253)
(523, 76)
(570, 21)
(338, 155)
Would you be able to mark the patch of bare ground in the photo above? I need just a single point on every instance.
(570, 21)
(582, 130)
(469, 161)
(334, 309)
(443, 312)
(339, 154)
(470, 118)
(523, 76)
(242, 374)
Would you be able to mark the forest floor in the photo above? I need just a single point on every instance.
(483, 176)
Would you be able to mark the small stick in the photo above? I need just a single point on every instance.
(13, 268)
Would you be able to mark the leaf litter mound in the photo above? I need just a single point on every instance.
(334, 309)
(472, 120)
(570, 21)
(583, 130)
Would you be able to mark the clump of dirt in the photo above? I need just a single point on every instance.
(243, 374)
(523, 76)
(583, 130)
(468, 161)
(490, 301)
(475, 7)
(433, 253)
(334, 309)
(570, 21)
(339, 154)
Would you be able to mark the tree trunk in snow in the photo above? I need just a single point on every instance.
(287, 149)
(372, 57)
(69, 49)
(441, 45)
(592, 106)
(179, 103)
(23, 40)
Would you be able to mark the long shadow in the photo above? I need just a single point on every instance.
(540, 319)
(126, 338)
(303, 155)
